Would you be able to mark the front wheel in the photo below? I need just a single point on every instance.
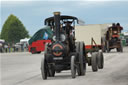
(78, 64)
(73, 67)
(44, 68)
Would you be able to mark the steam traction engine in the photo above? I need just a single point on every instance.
(63, 53)
(113, 38)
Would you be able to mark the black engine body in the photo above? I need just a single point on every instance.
(61, 48)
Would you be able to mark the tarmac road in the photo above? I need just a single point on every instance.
(24, 69)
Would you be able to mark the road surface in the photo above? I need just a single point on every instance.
(24, 69)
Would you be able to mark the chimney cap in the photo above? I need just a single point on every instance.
(56, 13)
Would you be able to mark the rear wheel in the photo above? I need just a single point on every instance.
(94, 62)
(73, 67)
(100, 59)
(82, 59)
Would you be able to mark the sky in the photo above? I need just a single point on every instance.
(32, 13)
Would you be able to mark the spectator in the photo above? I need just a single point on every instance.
(9, 48)
(22, 48)
(13, 46)
(1, 48)
(6, 47)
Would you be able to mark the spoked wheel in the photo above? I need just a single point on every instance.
(94, 62)
(73, 66)
(44, 68)
(100, 59)
(82, 60)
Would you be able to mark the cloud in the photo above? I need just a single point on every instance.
(33, 12)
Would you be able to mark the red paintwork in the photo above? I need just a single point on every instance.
(89, 47)
(115, 35)
(39, 45)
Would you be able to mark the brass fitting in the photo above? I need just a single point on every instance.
(56, 13)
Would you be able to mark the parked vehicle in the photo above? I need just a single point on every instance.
(38, 46)
(37, 42)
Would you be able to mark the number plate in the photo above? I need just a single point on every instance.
(58, 58)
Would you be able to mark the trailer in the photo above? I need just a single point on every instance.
(94, 38)
(96, 32)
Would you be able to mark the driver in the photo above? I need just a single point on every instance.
(120, 28)
(68, 28)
